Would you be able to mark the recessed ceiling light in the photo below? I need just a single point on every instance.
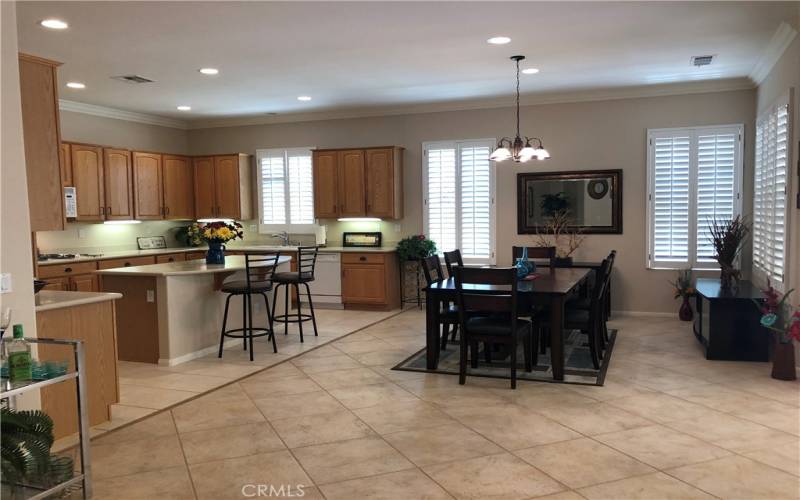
(184, 108)
(499, 40)
(530, 71)
(54, 24)
(76, 85)
(304, 98)
(208, 71)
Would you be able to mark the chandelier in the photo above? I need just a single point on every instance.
(517, 149)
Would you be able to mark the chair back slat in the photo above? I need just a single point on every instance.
(597, 299)
(453, 258)
(432, 269)
(260, 267)
(534, 253)
(307, 261)
(498, 295)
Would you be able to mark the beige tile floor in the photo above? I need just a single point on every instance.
(340, 424)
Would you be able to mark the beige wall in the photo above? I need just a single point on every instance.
(580, 136)
(15, 227)
(79, 127)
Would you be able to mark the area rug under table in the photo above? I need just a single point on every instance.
(578, 367)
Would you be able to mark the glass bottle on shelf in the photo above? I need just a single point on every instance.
(18, 355)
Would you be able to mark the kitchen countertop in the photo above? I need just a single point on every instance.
(47, 300)
(160, 251)
(188, 267)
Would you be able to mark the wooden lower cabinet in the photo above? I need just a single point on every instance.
(59, 284)
(370, 281)
(76, 277)
(95, 325)
(85, 283)
(126, 262)
(170, 257)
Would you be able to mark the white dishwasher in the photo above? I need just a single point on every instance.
(326, 289)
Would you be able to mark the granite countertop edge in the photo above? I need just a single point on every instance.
(48, 300)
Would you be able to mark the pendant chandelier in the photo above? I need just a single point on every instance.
(517, 149)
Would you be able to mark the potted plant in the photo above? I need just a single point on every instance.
(558, 232)
(728, 237)
(216, 234)
(684, 289)
(780, 318)
(415, 247)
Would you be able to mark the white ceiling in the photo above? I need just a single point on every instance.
(360, 54)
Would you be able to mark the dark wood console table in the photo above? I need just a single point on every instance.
(727, 323)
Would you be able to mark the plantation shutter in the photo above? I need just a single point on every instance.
(694, 178)
(770, 192)
(440, 198)
(301, 187)
(476, 201)
(273, 188)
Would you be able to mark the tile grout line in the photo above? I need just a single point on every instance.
(183, 454)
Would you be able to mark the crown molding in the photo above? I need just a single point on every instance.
(780, 41)
(607, 94)
(120, 114)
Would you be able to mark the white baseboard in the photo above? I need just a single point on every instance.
(196, 354)
(644, 314)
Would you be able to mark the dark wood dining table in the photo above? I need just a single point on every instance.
(552, 287)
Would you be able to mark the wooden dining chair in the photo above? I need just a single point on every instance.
(534, 253)
(448, 312)
(489, 315)
(585, 303)
(451, 259)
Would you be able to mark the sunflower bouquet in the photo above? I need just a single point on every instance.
(220, 232)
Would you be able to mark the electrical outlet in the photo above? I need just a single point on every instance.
(397, 228)
(81, 233)
(151, 296)
(5, 283)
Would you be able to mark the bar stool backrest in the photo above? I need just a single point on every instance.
(307, 261)
(260, 267)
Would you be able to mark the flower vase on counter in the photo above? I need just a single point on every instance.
(216, 234)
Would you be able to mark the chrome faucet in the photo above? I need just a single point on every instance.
(284, 237)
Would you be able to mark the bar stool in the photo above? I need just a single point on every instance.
(259, 275)
(306, 262)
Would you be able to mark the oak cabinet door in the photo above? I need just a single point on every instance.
(85, 283)
(65, 159)
(148, 197)
(352, 199)
(178, 187)
(87, 176)
(326, 198)
(59, 284)
(226, 187)
(363, 284)
(118, 184)
(204, 202)
(380, 181)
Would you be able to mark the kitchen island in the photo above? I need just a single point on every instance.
(172, 312)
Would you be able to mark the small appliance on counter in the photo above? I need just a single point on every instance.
(151, 242)
(362, 239)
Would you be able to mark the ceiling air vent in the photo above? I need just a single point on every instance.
(132, 79)
(702, 60)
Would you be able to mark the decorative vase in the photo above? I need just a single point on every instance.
(727, 278)
(685, 313)
(216, 253)
(561, 262)
(523, 265)
(783, 360)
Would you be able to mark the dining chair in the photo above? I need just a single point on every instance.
(451, 259)
(534, 253)
(487, 312)
(448, 312)
(585, 302)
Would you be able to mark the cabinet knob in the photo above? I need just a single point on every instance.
(362, 258)
(127, 264)
(67, 269)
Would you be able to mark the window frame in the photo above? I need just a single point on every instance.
(288, 227)
(759, 273)
(693, 133)
(458, 144)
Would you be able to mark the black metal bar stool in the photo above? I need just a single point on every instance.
(306, 262)
(259, 275)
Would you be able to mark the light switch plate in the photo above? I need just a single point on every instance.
(5, 283)
(151, 296)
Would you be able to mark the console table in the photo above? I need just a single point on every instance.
(727, 322)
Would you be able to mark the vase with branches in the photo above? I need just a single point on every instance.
(728, 238)
(559, 232)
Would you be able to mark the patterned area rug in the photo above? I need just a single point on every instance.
(578, 367)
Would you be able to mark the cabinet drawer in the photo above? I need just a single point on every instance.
(195, 255)
(170, 257)
(130, 262)
(363, 258)
(52, 271)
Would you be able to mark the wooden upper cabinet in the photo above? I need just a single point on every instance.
(148, 197)
(226, 187)
(40, 125)
(204, 201)
(326, 188)
(352, 197)
(87, 177)
(118, 184)
(66, 164)
(384, 182)
(178, 187)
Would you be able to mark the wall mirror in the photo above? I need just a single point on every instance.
(592, 200)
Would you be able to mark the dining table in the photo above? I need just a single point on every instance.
(550, 287)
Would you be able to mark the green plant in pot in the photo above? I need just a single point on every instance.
(415, 248)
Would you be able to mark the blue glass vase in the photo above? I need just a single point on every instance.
(523, 265)
(216, 253)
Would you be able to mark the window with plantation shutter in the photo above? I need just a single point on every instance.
(770, 193)
(286, 190)
(694, 177)
(459, 198)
